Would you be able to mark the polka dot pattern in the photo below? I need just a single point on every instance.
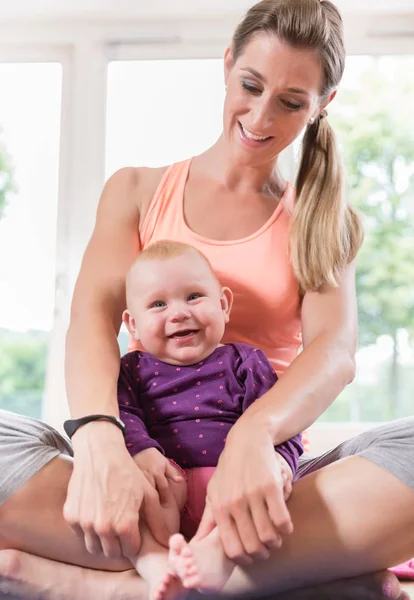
(157, 406)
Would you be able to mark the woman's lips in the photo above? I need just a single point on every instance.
(252, 140)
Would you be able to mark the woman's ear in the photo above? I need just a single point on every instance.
(328, 101)
(322, 107)
(228, 64)
(226, 301)
(130, 324)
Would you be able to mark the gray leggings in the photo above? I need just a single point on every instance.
(27, 445)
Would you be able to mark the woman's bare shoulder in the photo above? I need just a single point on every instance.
(149, 180)
(136, 183)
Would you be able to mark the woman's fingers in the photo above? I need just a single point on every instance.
(129, 537)
(248, 534)
(287, 490)
(250, 526)
(92, 541)
(207, 523)
(266, 529)
(230, 538)
(110, 544)
(278, 511)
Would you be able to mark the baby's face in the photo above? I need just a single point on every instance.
(177, 308)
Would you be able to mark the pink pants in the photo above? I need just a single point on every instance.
(197, 480)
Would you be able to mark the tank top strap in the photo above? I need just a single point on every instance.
(167, 198)
(288, 199)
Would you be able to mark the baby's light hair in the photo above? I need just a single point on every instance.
(163, 250)
(168, 249)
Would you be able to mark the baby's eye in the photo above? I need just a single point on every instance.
(158, 304)
(193, 297)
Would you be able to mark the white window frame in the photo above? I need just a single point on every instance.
(84, 49)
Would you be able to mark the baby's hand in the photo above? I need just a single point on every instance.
(287, 476)
(158, 470)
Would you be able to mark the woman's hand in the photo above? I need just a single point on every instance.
(245, 497)
(158, 470)
(106, 493)
(287, 476)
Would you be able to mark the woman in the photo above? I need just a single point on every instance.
(350, 516)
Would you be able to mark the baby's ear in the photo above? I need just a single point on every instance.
(226, 301)
(130, 324)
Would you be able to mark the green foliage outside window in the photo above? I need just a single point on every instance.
(375, 126)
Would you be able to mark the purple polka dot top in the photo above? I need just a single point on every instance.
(187, 412)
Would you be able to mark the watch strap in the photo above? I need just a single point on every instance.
(72, 425)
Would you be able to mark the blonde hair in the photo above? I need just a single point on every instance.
(326, 232)
(163, 250)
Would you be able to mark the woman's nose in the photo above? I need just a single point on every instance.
(261, 117)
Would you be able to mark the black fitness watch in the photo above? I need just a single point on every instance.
(72, 425)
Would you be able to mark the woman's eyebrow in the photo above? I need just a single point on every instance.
(263, 78)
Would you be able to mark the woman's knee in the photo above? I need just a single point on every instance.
(392, 448)
(26, 447)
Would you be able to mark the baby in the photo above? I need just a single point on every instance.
(179, 399)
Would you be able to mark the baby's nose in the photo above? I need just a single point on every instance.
(180, 314)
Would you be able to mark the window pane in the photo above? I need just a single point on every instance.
(30, 104)
(162, 111)
(374, 119)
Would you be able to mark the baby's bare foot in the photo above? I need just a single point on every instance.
(170, 587)
(202, 564)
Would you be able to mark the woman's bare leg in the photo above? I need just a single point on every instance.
(32, 529)
(32, 524)
(351, 518)
(32, 521)
(31, 576)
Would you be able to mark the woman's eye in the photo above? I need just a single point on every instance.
(158, 304)
(291, 105)
(194, 297)
(250, 88)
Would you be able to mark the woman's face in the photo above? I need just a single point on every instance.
(272, 92)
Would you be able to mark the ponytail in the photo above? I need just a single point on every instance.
(326, 231)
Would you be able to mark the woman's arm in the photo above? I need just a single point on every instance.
(245, 497)
(92, 351)
(321, 371)
(106, 489)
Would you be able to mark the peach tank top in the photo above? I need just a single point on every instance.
(266, 309)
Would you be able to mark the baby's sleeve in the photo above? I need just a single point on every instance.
(258, 377)
(130, 410)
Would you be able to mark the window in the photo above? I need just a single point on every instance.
(162, 111)
(375, 124)
(30, 105)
